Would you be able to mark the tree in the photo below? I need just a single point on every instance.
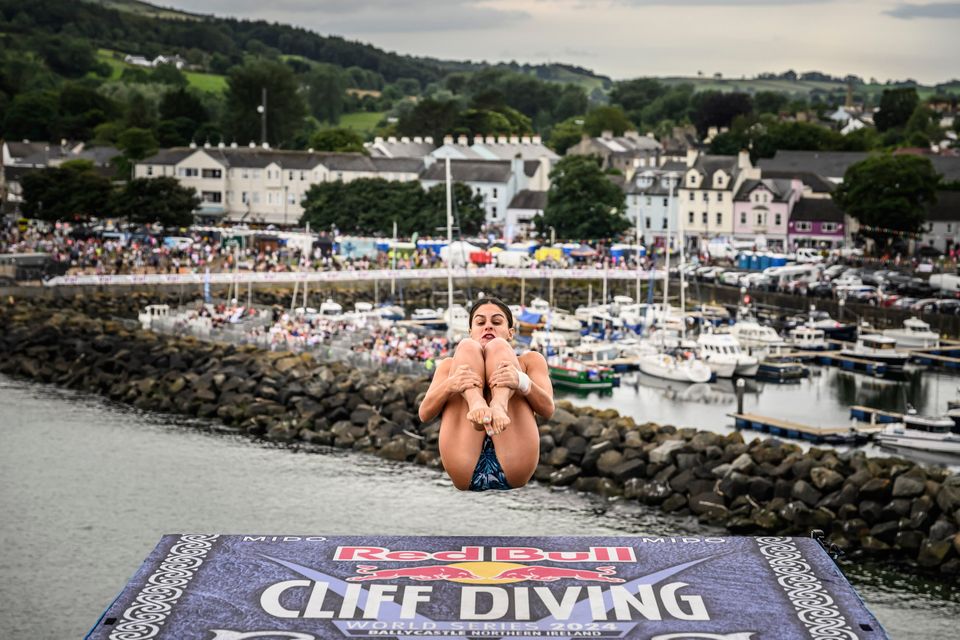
(468, 210)
(73, 191)
(566, 134)
(31, 116)
(602, 119)
(770, 102)
(896, 107)
(716, 109)
(429, 118)
(325, 91)
(285, 106)
(169, 74)
(182, 103)
(888, 194)
(342, 140)
(582, 203)
(155, 201)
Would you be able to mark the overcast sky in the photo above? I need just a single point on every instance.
(886, 39)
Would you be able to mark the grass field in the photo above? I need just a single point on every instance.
(209, 82)
(361, 121)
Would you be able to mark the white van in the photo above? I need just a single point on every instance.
(806, 254)
(514, 259)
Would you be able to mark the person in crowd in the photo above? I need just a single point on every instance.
(487, 397)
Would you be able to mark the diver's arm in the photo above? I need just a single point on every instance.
(540, 396)
(439, 392)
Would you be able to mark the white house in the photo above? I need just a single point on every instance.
(706, 194)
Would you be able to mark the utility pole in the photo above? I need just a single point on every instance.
(263, 115)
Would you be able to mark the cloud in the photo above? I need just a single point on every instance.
(907, 11)
(364, 16)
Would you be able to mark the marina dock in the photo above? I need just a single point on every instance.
(850, 363)
(874, 416)
(797, 431)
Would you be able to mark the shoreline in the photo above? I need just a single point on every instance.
(888, 509)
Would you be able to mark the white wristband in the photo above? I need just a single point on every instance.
(524, 382)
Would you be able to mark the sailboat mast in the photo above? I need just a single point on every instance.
(449, 252)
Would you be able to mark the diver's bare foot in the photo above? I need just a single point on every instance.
(500, 417)
(480, 415)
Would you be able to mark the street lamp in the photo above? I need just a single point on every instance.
(262, 110)
(644, 181)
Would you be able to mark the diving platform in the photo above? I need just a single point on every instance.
(788, 429)
(298, 587)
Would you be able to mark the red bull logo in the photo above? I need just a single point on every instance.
(493, 554)
(487, 573)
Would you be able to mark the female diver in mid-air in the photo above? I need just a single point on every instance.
(488, 397)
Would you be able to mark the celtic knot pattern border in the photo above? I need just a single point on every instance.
(144, 618)
(815, 608)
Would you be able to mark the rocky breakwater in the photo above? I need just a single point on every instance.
(883, 507)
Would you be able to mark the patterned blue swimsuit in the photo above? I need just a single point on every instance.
(488, 474)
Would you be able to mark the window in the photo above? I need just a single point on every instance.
(290, 175)
(706, 197)
(949, 227)
(830, 227)
(493, 213)
(246, 174)
(778, 219)
(664, 223)
(149, 169)
(188, 172)
(691, 196)
(719, 219)
(759, 219)
(303, 175)
(664, 202)
(649, 201)
(705, 218)
(340, 176)
(804, 226)
(494, 192)
(719, 196)
(690, 217)
(212, 173)
(291, 198)
(743, 217)
(648, 222)
(245, 197)
(211, 196)
(255, 174)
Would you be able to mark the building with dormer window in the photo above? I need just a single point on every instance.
(762, 208)
(707, 189)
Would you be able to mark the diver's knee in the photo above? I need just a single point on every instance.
(497, 344)
(463, 484)
(469, 346)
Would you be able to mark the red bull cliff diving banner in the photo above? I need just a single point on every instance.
(219, 587)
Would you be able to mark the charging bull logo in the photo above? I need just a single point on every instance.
(486, 573)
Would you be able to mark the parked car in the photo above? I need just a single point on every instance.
(928, 251)
(731, 278)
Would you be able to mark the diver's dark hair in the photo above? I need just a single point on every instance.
(490, 300)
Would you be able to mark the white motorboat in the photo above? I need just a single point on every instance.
(548, 343)
(753, 336)
(680, 369)
(808, 338)
(594, 350)
(723, 355)
(914, 334)
(878, 348)
(557, 320)
(457, 318)
(331, 309)
(936, 434)
(153, 312)
(430, 318)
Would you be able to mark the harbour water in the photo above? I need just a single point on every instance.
(88, 487)
(821, 400)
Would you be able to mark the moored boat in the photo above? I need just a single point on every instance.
(915, 334)
(878, 348)
(679, 368)
(573, 374)
(923, 433)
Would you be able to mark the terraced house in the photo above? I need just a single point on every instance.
(761, 209)
(259, 184)
(705, 208)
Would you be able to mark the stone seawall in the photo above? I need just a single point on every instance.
(884, 507)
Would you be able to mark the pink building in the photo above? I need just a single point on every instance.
(762, 208)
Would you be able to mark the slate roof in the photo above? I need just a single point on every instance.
(829, 164)
(527, 199)
(387, 149)
(947, 208)
(629, 145)
(509, 150)
(779, 188)
(816, 183)
(470, 171)
(168, 156)
(816, 209)
(397, 165)
(708, 165)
